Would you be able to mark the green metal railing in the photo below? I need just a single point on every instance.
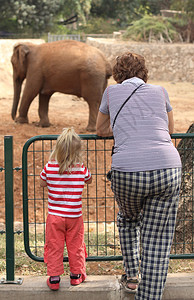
(99, 206)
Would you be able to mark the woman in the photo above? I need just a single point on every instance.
(146, 173)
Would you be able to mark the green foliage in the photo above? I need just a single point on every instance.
(79, 7)
(29, 15)
(179, 22)
(126, 10)
(122, 10)
(186, 29)
(99, 25)
(83, 9)
(156, 5)
(186, 6)
(104, 8)
(37, 14)
(60, 29)
(99, 16)
(40, 15)
(152, 28)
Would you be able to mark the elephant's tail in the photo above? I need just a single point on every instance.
(108, 70)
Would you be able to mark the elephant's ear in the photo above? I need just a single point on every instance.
(20, 53)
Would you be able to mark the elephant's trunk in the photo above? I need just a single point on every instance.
(17, 91)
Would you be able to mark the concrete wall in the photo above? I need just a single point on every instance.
(165, 62)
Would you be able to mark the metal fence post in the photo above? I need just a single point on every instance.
(9, 212)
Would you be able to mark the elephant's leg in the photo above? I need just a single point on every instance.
(29, 93)
(43, 110)
(92, 88)
(93, 111)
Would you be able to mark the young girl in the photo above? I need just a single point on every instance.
(65, 175)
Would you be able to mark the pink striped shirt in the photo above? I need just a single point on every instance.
(65, 190)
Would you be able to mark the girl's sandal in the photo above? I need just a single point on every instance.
(54, 284)
(126, 282)
(77, 279)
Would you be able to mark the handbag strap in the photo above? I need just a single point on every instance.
(124, 104)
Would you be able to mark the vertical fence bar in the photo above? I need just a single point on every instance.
(9, 213)
(9, 210)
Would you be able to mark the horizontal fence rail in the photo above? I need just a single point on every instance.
(77, 37)
(99, 206)
(59, 37)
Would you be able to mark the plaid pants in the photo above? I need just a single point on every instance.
(148, 202)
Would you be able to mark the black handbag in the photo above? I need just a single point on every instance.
(109, 174)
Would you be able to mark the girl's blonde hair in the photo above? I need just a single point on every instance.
(67, 151)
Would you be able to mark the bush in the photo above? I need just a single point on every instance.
(152, 28)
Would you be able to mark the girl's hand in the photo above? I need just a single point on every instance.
(42, 183)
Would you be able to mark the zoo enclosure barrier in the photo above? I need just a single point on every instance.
(77, 37)
(99, 206)
(54, 37)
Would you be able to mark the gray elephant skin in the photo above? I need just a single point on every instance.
(68, 67)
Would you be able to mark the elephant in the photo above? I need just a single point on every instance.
(68, 66)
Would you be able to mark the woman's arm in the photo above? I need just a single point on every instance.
(103, 127)
(170, 122)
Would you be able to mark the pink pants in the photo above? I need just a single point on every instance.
(61, 230)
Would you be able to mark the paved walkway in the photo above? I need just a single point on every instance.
(179, 286)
